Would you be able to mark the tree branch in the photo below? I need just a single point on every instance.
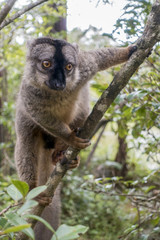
(20, 13)
(10, 206)
(90, 156)
(144, 44)
(6, 9)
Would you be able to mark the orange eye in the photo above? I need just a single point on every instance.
(69, 67)
(46, 63)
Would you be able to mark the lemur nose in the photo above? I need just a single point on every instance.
(59, 86)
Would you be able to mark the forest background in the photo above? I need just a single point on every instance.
(115, 190)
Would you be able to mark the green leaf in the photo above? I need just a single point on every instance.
(35, 192)
(4, 238)
(3, 221)
(127, 112)
(141, 111)
(136, 94)
(155, 221)
(150, 188)
(27, 205)
(130, 229)
(14, 193)
(131, 96)
(136, 131)
(65, 232)
(122, 131)
(113, 164)
(16, 228)
(120, 98)
(21, 186)
(14, 219)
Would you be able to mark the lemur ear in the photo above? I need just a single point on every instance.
(75, 45)
(30, 43)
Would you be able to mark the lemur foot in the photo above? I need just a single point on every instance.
(43, 200)
(73, 163)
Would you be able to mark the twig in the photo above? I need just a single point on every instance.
(139, 220)
(90, 156)
(10, 206)
(134, 197)
(100, 124)
(6, 9)
(153, 66)
(21, 12)
(9, 160)
(136, 227)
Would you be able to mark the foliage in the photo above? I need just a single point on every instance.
(12, 220)
(96, 211)
(65, 232)
(112, 207)
(135, 114)
(14, 217)
(133, 20)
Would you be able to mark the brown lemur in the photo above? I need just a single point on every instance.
(54, 100)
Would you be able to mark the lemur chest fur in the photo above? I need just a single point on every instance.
(65, 108)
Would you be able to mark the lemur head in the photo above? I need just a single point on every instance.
(53, 63)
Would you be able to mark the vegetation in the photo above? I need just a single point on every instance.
(114, 194)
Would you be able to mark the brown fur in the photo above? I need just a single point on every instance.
(46, 117)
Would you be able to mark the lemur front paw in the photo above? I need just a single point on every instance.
(132, 49)
(77, 142)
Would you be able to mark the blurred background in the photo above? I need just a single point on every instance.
(115, 190)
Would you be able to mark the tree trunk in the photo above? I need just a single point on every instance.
(3, 98)
(61, 23)
(121, 157)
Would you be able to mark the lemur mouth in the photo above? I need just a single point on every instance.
(55, 86)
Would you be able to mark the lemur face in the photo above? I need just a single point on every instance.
(54, 63)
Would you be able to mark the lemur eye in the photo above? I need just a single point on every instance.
(69, 67)
(46, 63)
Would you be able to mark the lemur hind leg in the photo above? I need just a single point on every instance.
(51, 212)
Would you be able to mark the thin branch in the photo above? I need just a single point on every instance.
(10, 206)
(9, 160)
(21, 12)
(90, 156)
(153, 66)
(6, 9)
(135, 228)
(139, 221)
(145, 43)
(100, 124)
(134, 197)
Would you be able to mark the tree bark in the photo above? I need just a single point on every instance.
(20, 13)
(61, 23)
(121, 157)
(145, 43)
(6, 9)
